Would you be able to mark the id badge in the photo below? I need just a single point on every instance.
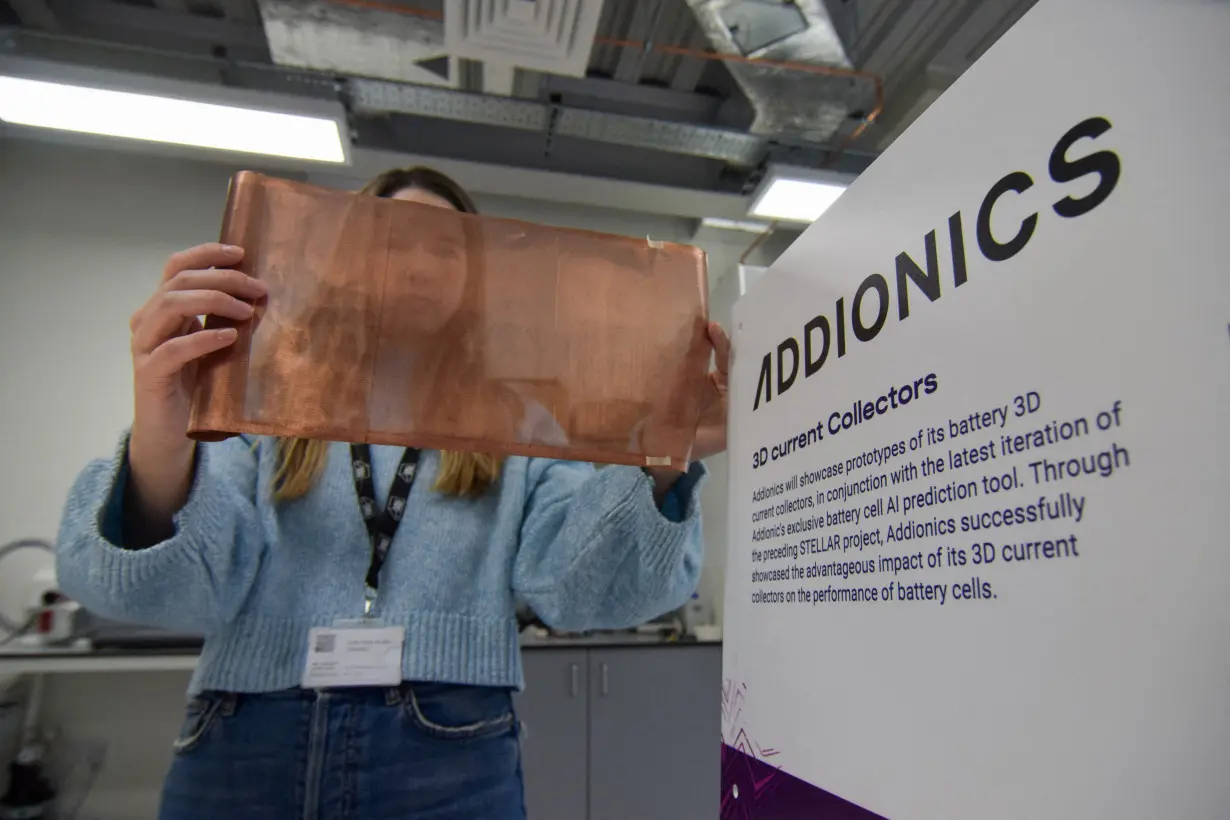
(353, 656)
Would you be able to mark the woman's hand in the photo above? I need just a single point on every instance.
(711, 430)
(167, 341)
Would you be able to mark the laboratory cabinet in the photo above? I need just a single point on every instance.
(622, 732)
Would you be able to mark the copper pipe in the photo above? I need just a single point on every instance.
(694, 53)
(871, 117)
(758, 241)
(376, 5)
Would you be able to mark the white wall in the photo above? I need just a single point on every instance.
(83, 236)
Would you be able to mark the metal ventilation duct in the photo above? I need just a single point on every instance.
(787, 102)
(367, 42)
(554, 36)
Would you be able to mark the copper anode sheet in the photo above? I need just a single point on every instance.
(392, 322)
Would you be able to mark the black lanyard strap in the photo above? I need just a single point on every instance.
(382, 526)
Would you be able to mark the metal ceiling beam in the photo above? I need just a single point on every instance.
(991, 20)
(240, 11)
(634, 99)
(526, 83)
(517, 148)
(883, 22)
(920, 78)
(690, 69)
(915, 95)
(735, 147)
(35, 14)
(156, 25)
(644, 20)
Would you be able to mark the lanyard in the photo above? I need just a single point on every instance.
(381, 527)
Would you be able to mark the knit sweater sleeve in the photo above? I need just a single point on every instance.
(597, 553)
(195, 580)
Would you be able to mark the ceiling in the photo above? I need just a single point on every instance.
(645, 101)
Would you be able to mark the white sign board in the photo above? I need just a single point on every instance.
(980, 453)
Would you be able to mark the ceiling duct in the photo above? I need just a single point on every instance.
(788, 102)
(366, 42)
(554, 36)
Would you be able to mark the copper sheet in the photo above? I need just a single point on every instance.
(393, 322)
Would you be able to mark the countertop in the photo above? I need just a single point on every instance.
(57, 661)
(609, 640)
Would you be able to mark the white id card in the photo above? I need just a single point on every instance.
(368, 656)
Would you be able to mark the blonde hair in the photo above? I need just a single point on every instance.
(301, 461)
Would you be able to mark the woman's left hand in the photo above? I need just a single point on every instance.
(711, 429)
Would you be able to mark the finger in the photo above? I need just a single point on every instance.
(170, 357)
(209, 255)
(721, 347)
(165, 317)
(229, 281)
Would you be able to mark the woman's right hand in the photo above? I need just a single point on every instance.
(167, 342)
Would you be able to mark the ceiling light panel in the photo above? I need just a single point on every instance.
(175, 120)
(793, 194)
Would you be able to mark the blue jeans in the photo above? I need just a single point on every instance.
(414, 752)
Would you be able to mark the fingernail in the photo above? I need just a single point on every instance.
(232, 248)
(228, 333)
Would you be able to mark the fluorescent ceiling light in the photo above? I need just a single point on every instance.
(170, 120)
(723, 224)
(795, 200)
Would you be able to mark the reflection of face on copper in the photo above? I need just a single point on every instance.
(434, 268)
(429, 279)
(402, 321)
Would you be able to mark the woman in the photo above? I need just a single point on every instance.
(262, 545)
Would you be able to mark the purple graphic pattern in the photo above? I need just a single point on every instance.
(753, 788)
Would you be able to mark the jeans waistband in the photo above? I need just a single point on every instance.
(388, 695)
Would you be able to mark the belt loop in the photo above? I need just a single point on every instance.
(230, 701)
(392, 696)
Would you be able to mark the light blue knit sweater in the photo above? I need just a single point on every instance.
(584, 548)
